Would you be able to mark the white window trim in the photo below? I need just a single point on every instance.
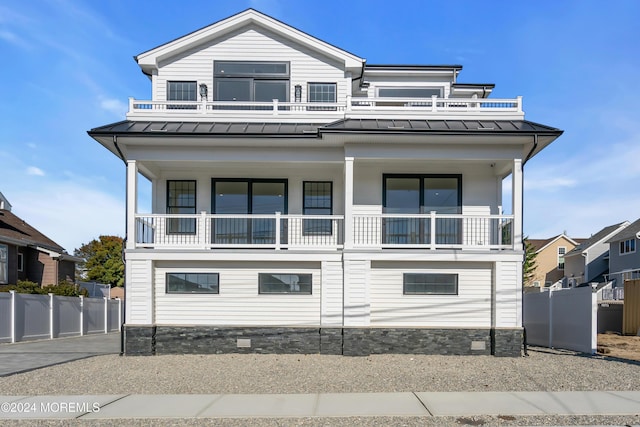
(622, 242)
(558, 257)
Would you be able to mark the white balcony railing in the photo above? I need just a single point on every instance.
(205, 231)
(353, 107)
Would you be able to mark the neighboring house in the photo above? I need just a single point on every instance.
(589, 261)
(550, 259)
(27, 254)
(624, 255)
(307, 201)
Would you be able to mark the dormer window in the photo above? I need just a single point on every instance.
(254, 81)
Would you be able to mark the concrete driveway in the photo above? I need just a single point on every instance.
(29, 355)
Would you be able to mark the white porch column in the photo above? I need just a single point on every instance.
(516, 191)
(132, 202)
(348, 202)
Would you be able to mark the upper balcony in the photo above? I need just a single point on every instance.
(314, 112)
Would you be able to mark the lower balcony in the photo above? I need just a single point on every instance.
(277, 231)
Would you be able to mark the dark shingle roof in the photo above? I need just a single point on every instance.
(595, 238)
(628, 232)
(15, 230)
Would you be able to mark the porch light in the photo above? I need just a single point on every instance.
(204, 91)
(298, 93)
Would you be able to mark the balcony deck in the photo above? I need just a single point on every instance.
(372, 232)
(354, 107)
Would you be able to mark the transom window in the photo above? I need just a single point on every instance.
(251, 81)
(409, 92)
(561, 251)
(181, 199)
(628, 246)
(284, 283)
(318, 200)
(430, 284)
(193, 283)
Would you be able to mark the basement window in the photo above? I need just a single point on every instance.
(430, 284)
(284, 283)
(193, 283)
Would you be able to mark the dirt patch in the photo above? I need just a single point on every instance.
(624, 347)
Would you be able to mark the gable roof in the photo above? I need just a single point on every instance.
(150, 59)
(597, 238)
(540, 244)
(16, 231)
(629, 232)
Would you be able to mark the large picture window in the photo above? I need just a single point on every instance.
(4, 264)
(255, 81)
(317, 200)
(193, 283)
(181, 199)
(284, 283)
(430, 284)
(422, 194)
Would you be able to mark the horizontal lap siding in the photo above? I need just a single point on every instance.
(139, 286)
(238, 302)
(251, 45)
(508, 295)
(470, 308)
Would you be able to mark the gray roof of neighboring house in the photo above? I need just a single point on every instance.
(595, 238)
(629, 232)
(157, 128)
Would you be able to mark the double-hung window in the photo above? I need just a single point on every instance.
(627, 246)
(181, 91)
(317, 200)
(181, 199)
(4, 264)
(251, 81)
(561, 251)
(322, 92)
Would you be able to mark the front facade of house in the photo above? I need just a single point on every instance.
(27, 254)
(589, 261)
(549, 259)
(624, 255)
(305, 201)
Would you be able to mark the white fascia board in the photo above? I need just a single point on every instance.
(556, 239)
(150, 59)
(232, 255)
(440, 256)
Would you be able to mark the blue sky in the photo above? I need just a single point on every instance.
(68, 67)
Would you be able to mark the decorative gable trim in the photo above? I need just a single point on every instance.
(150, 59)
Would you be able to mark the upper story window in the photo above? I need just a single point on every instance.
(322, 92)
(255, 81)
(318, 200)
(181, 91)
(627, 246)
(561, 251)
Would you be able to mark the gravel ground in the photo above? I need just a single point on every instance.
(543, 370)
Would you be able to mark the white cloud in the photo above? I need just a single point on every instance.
(32, 170)
(12, 38)
(114, 106)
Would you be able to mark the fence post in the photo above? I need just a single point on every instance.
(550, 318)
(106, 315)
(81, 315)
(51, 316)
(13, 316)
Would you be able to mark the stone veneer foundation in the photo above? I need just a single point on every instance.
(150, 340)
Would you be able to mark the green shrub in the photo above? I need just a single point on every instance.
(64, 288)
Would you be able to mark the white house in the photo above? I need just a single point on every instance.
(307, 201)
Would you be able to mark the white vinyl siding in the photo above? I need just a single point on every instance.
(391, 308)
(251, 45)
(331, 293)
(508, 294)
(238, 302)
(356, 292)
(139, 293)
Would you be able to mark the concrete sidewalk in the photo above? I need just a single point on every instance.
(432, 404)
(29, 355)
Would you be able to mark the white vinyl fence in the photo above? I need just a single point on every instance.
(562, 318)
(26, 317)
